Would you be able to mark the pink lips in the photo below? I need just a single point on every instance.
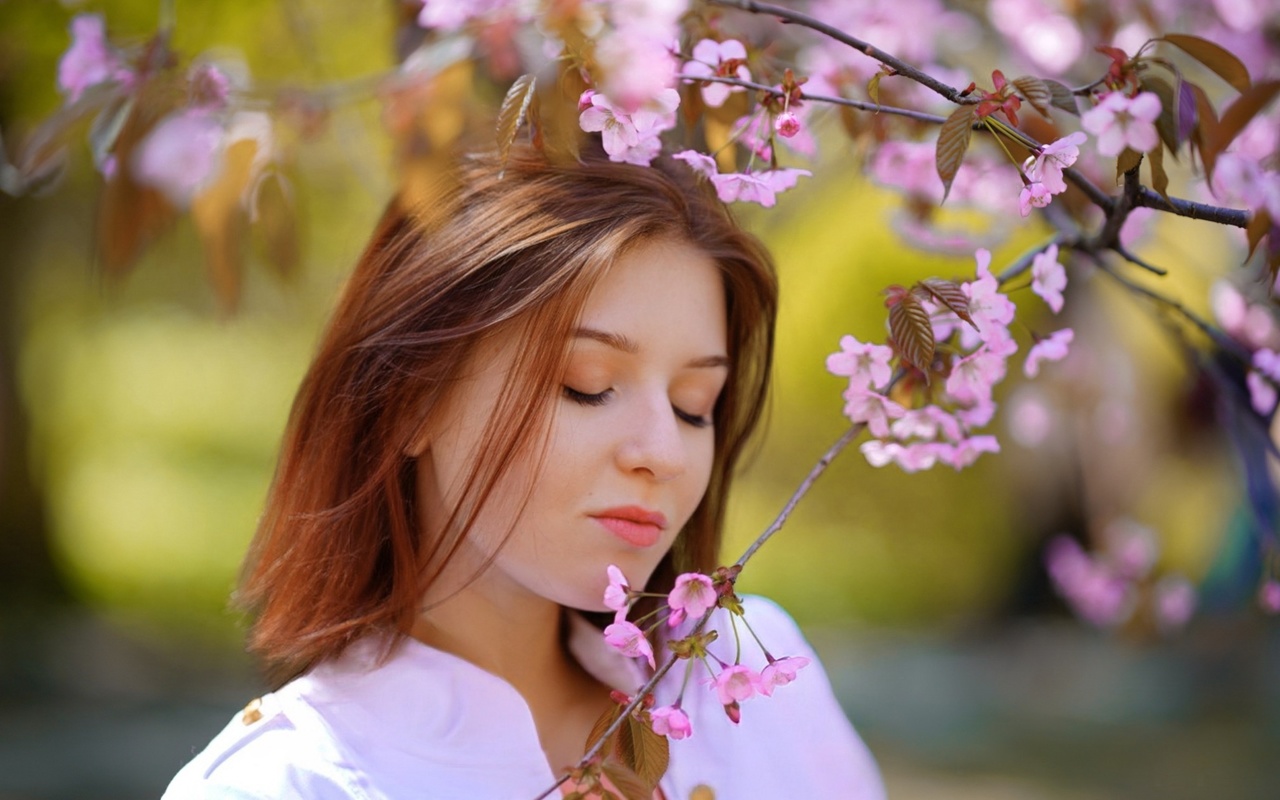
(636, 526)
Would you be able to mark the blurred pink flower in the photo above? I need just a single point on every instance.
(1175, 602)
(1093, 591)
(736, 683)
(1052, 348)
(787, 124)
(1049, 277)
(629, 640)
(210, 87)
(880, 453)
(874, 409)
(1033, 195)
(1047, 166)
(1120, 121)
(965, 452)
(1132, 546)
(671, 721)
(631, 138)
(865, 365)
(727, 59)
(757, 187)
(918, 456)
(1269, 596)
(181, 155)
(1262, 393)
(972, 377)
(89, 60)
(617, 593)
(780, 672)
(991, 311)
(692, 595)
(450, 15)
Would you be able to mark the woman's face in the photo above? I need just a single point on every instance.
(630, 442)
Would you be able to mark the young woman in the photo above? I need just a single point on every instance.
(551, 370)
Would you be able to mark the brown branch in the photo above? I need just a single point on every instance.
(1149, 198)
(901, 67)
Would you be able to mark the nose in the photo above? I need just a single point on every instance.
(654, 444)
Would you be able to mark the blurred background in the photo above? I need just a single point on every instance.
(139, 422)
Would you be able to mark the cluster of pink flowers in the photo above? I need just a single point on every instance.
(1044, 172)
(751, 187)
(629, 137)
(1103, 589)
(1120, 121)
(920, 438)
(89, 60)
(693, 595)
(1253, 327)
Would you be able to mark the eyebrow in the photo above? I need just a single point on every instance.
(626, 345)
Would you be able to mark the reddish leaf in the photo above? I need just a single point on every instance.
(949, 294)
(627, 782)
(1167, 122)
(1186, 109)
(912, 332)
(1213, 56)
(514, 112)
(1036, 92)
(1159, 180)
(219, 215)
(275, 218)
(1205, 131)
(1061, 97)
(644, 752)
(602, 724)
(1237, 115)
(1259, 224)
(1127, 160)
(953, 141)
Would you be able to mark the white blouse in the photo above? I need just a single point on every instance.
(427, 724)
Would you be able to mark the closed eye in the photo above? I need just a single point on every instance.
(586, 399)
(692, 419)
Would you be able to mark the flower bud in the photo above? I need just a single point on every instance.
(787, 124)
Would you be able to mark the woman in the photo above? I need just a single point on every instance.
(551, 370)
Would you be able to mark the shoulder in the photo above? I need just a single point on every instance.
(266, 751)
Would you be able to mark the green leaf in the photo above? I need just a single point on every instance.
(1061, 96)
(627, 782)
(953, 141)
(1036, 92)
(1213, 56)
(949, 294)
(515, 108)
(912, 332)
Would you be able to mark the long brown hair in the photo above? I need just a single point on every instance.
(338, 552)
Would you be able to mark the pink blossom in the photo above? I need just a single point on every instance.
(89, 60)
(1239, 178)
(880, 453)
(181, 155)
(617, 593)
(1267, 361)
(1092, 590)
(638, 64)
(919, 456)
(1047, 166)
(692, 595)
(1120, 121)
(972, 377)
(1049, 277)
(991, 311)
(780, 672)
(450, 15)
(874, 409)
(1053, 348)
(757, 187)
(1262, 393)
(629, 640)
(671, 721)
(631, 138)
(727, 59)
(1269, 596)
(736, 683)
(787, 124)
(865, 365)
(977, 415)
(965, 452)
(1033, 195)
(1030, 417)
(1133, 548)
(1175, 602)
(210, 87)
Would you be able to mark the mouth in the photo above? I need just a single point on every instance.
(639, 527)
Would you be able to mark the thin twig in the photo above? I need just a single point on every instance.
(1124, 253)
(1149, 198)
(901, 67)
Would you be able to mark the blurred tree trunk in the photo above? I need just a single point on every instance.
(28, 574)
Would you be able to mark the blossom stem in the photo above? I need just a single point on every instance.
(1024, 261)
(989, 123)
(804, 20)
(752, 631)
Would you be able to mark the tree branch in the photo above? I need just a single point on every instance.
(804, 20)
(1149, 198)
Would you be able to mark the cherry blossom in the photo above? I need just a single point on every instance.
(1267, 361)
(89, 60)
(1046, 167)
(617, 595)
(965, 452)
(755, 187)
(1033, 195)
(1092, 589)
(210, 87)
(450, 15)
(991, 311)
(1133, 548)
(918, 456)
(1052, 348)
(181, 155)
(629, 640)
(874, 409)
(736, 683)
(780, 672)
(671, 721)
(880, 453)
(972, 377)
(1049, 277)
(1175, 602)
(692, 595)
(631, 138)
(865, 365)
(727, 59)
(1120, 121)
(787, 124)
